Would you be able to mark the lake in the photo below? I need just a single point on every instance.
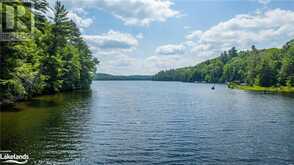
(145, 122)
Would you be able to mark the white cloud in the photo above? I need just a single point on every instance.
(112, 41)
(132, 12)
(80, 11)
(117, 63)
(113, 49)
(162, 62)
(154, 64)
(170, 49)
(122, 61)
(267, 29)
(194, 35)
(187, 27)
(264, 2)
(140, 36)
(81, 21)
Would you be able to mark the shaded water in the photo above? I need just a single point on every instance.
(152, 123)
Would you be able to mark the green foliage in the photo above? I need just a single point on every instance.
(266, 68)
(280, 89)
(290, 81)
(55, 59)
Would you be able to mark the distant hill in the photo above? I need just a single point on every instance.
(107, 77)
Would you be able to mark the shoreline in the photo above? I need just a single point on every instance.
(281, 89)
(11, 103)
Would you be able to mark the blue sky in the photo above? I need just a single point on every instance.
(146, 36)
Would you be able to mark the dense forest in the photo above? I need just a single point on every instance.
(266, 68)
(54, 59)
(107, 77)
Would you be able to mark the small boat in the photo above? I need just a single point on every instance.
(213, 88)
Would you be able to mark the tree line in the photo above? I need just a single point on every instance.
(266, 68)
(54, 59)
(108, 77)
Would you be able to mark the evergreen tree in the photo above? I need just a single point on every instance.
(55, 58)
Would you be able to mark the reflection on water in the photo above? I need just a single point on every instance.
(152, 123)
(46, 127)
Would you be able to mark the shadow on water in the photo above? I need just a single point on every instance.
(35, 127)
(37, 103)
(48, 101)
(9, 108)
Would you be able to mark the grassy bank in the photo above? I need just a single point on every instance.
(281, 89)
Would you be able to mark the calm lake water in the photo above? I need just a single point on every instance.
(148, 122)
